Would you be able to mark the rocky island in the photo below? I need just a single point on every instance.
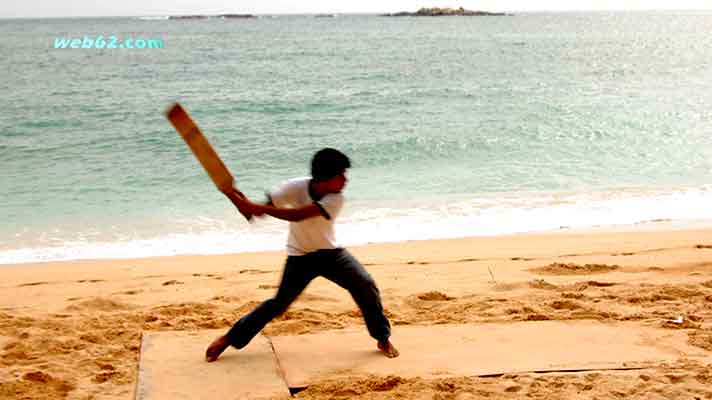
(222, 16)
(444, 12)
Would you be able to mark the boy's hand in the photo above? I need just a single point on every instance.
(243, 204)
(232, 191)
(247, 207)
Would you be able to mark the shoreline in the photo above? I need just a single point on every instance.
(438, 217)
(645, 226)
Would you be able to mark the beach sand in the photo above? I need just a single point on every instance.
(72, 329)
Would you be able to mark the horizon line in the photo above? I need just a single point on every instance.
(378, 13)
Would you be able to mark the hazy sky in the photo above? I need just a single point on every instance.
(54, 8)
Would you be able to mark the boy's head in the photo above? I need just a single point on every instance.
(328, 166)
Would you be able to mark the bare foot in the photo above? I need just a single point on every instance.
(216, 348)
(388, 349)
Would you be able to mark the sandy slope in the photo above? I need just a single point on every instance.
(72, 330)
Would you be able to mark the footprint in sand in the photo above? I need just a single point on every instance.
(564, 305)
(104, 376)
(542, 284)
(130, 292)
(535, 284)
(702, 338)
(434, 296)
(675, 378)
(537, 317)
(313, 297)
(268, 286)
(598, 284)
(150, 276)
(254, 271)
(218, 277)
(150, 318)
(51, 387)
(105, 366)
(37, 376)
(33, 284)
(574, 269)
(581, 286)
(226, 299)
(570, 295)
(100, 304)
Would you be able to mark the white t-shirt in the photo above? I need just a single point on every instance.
(314, 233)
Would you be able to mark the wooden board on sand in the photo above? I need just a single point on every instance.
(172, 365)
(487, 349)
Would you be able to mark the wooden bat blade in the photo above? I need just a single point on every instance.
(201, 148)
(199, 145)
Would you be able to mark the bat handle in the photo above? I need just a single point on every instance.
(247, 216)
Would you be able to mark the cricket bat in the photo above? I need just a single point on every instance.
(201, 148)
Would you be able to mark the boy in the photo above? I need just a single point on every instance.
(310, 205)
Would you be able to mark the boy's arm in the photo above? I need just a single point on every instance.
(287, 214)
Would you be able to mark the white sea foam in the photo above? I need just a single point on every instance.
(505, 215)
(484, 216)
(167, 245)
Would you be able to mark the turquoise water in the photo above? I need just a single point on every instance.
(456, 127)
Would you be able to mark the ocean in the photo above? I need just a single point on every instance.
(456, 126)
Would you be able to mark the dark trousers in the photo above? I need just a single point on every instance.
(336, 265)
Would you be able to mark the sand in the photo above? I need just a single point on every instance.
(72, 329)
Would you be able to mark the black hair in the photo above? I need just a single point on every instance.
(328, 163)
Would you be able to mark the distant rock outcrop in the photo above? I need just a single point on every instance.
(221, 16)
(444, 12)
(236, 16)
(187, 17)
